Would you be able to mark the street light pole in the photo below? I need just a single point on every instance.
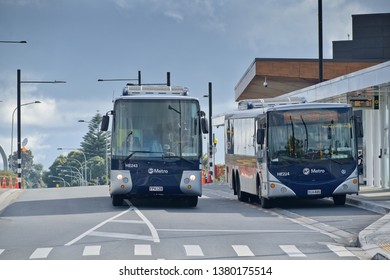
(85, 161)
(12, 126)
(19, 118)
(210, 145)
(320, 44)
(14, 42)
(211, 131)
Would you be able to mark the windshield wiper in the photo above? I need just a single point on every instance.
(307, 135)
(141, 152)
(179, 157)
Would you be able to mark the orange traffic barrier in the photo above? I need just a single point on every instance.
(16, 185)
(10, 183)
(3, 183)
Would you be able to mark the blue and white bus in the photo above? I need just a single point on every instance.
(156, 144)
(288, 148)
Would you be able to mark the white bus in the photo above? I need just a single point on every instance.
(280, 148)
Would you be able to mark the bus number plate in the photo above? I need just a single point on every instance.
(156, 189)
(313, 192)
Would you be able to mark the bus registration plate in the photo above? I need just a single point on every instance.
(313, 192)
(156, 189)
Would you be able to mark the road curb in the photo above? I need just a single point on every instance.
(368, 234)
(8, 196)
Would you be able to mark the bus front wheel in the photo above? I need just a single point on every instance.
(117, 200)
(265, 202)
(192, 201)
(339, 199)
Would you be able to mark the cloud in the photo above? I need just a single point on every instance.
(206, 13)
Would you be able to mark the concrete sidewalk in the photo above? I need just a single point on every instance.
(374, 239)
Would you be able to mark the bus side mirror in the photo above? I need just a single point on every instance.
(203, 123)
(105, 123)
(260, 136)
(358, 127)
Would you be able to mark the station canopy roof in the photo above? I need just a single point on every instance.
(288, 75)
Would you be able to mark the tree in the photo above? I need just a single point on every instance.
(31, 173)
(95, 142)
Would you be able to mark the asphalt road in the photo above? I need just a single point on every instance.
(80, 223)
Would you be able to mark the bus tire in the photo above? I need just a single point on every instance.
(117, 200)
(242, 196)
(192, 201)
(339, 199)
(265, 203)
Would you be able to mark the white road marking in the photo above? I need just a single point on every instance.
(292, 251)
(340, 251)
(127, 221)
(238, 230)
(243, 251)
(155, 238)
(91, 250)
(152, 229)
(41, 253)
(96, 227)
(142, 250)
(1, 251)
(121, 235)
(193, 251)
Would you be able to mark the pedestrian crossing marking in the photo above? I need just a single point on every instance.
(91, 250)
(142, 250)
(196, 251)
(243, 251)
(292, 251)
(41, 253)
(193, 251)
(340, 251)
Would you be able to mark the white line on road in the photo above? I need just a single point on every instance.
(121, 235)
(96, 227)
(1, 251)
(243, 251)
(193, 251)
(340, 251)
(91, 250)
(41, 253)
(238, 230)
(155, 237)
(142, 250)
(292, 251)
(152, 229)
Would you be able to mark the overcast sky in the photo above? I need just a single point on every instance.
(198, 41)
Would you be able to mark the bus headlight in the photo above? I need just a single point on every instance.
(120, 177)
(192, 177)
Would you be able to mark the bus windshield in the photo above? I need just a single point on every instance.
(156, 128)
(311, 135)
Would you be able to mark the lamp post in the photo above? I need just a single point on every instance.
(85, 160)
(19, 118)
(210, 145)
(12, 126)
(56, 177)
(13, 42)
(320, 44)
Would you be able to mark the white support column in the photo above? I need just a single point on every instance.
(377, 137)
(368, 145)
